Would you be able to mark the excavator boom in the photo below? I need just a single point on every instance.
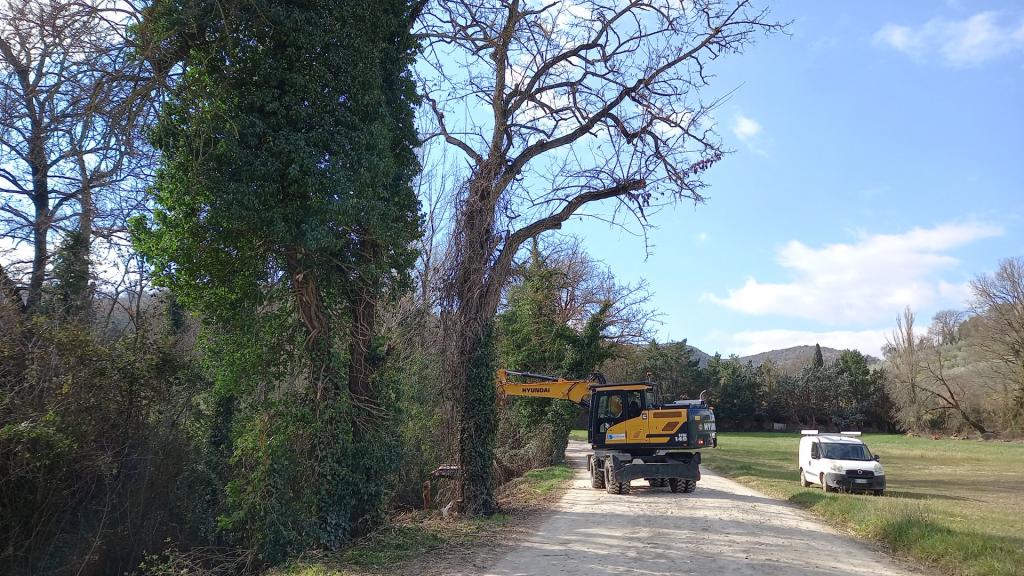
(576, 391)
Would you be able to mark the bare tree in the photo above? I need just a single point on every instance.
(556, 106)
(924, 380)
(945, 328)
(73, 91)
(998, 306)
(945, 389)
(585, 285)
(901, 352)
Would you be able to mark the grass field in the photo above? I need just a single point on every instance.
(955, 505)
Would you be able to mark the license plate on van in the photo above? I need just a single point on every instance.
(861, 481)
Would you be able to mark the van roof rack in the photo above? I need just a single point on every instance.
(808, 432)
(850, 433)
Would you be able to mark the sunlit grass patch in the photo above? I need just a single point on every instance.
(394, 544)
(954, 505)
(544, 480)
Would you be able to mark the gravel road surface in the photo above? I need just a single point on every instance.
(721, 529)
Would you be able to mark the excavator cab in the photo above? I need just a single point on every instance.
(614, 406)
(628, 414)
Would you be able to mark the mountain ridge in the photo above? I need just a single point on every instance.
(792, 358)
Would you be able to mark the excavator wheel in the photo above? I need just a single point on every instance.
(614, 487)
(682, 485)
(657, 482)
(596, 476)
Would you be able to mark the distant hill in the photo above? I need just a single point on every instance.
(699, 355)
(788, 359)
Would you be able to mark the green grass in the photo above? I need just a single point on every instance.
(388, 546)
(401, 544)
(393, 545)
(413, 539)
(580, 435)
(545, 480)
(955, 505)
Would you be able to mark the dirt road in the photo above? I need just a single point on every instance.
(721, 529)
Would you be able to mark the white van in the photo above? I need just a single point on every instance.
(839, 462)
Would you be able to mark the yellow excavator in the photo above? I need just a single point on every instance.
(633, 436)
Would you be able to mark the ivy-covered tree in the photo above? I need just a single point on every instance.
(574, 111)
(533, 337)
(284, 211)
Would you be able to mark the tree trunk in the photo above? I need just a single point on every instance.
(973, 423)
(40, 255)
(83, 300)
(361, 369)
(468, 318)
(37, 161)
(478, 419)
(310, 307)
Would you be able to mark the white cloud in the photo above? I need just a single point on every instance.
(967, 42)
(867, 281)
(755, 341)
(745, 128)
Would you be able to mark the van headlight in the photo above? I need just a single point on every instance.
(837, 468)
(879, 471)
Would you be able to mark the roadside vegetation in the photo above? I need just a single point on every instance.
(951, 504)
(426, 542)
(255, 281)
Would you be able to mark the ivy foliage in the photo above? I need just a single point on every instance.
(536, 336)
(284, 211)
(290, 132)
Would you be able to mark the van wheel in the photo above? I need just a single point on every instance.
(824, 484)
(803, 479)
(879, 492)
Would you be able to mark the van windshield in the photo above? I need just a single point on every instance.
(836, 451)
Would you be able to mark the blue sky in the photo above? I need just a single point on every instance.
(878, 163)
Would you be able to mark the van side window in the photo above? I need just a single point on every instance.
(814, 450)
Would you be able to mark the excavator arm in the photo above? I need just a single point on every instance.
(541, 386)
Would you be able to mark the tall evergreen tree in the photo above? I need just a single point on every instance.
(284, 211)
(819, 360)
(673, 368)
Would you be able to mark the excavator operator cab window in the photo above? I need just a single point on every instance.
(611, 407)
(619, 406)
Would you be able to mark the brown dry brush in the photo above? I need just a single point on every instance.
(100, 460)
